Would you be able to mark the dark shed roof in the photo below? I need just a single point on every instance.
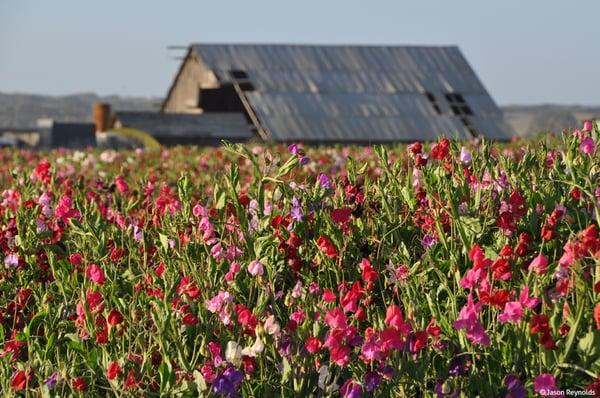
(202, 127)
(358, 93)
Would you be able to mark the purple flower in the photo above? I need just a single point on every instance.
(465, 156)
(428, 241)
(52, 380)
(372, 380)
(514, 386)
(324, 181)
(456, 367)
(228, 382)
(296, 212)
(293, 148)
(351, 389)
(12, 260)
(304, 160)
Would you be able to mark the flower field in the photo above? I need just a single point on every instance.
(419, 270)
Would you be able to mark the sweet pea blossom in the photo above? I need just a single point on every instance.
(256, 268)
(587, 146)
(514, 310)
(468, 319)
(544, 384)
(465, 156)
(538, 265)
(95, 274)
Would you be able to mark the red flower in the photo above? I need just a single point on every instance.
(440, 150)
(327, 247)
(328, 296)
(313, 344)
(368, 272)
(101, 330)
(114, 317)
(19, 380)
(420, 340)
(113, 371)
(415, 147)
(188, 287)
(131, 382)
(79, 384)
(341, 216)
(395, 319)
(190, 319)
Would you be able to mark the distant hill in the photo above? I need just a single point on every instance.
(23, 110)
(532, 119)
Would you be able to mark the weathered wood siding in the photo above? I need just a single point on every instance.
(183, 95)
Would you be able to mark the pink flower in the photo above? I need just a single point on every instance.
(256, 268)
(514, 310)
(468, 319)
(544, 384)
(587, 146)
(538, 265)
(587, 126)
(472, 278)
(336, 318)
(122, 186)
(95, 274)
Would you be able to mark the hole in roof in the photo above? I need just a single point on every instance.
(238, 74)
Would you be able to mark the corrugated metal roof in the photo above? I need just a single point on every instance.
(202, 126)
(357, 93)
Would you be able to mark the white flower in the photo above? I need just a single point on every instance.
(255, 349)
(233, 353)
(272, 327)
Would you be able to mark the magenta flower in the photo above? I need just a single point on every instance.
(587, 126)
(587, 146)
(95, 274)
(544, 384)
(514, 310)
(538, 265)
(468, 319)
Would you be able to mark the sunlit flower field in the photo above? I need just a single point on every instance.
(425, 270)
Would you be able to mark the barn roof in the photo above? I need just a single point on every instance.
(205, 126)
(358, 93)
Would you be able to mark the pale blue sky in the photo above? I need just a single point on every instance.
(525, 51)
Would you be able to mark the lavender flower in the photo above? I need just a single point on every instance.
(428, 241)
(12, 260)
(514, 386)
(52, 380)
(296, 212)
(324, 181)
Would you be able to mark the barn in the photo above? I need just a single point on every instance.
(333, 94)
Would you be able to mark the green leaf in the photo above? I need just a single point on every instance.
(164, 240)
(200, 382)
(588, 345)
(287, 166)
(287, 369)
(219, 197)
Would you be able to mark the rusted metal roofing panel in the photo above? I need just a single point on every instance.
(356, 93)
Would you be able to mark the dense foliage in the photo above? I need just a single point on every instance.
(270, 271)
